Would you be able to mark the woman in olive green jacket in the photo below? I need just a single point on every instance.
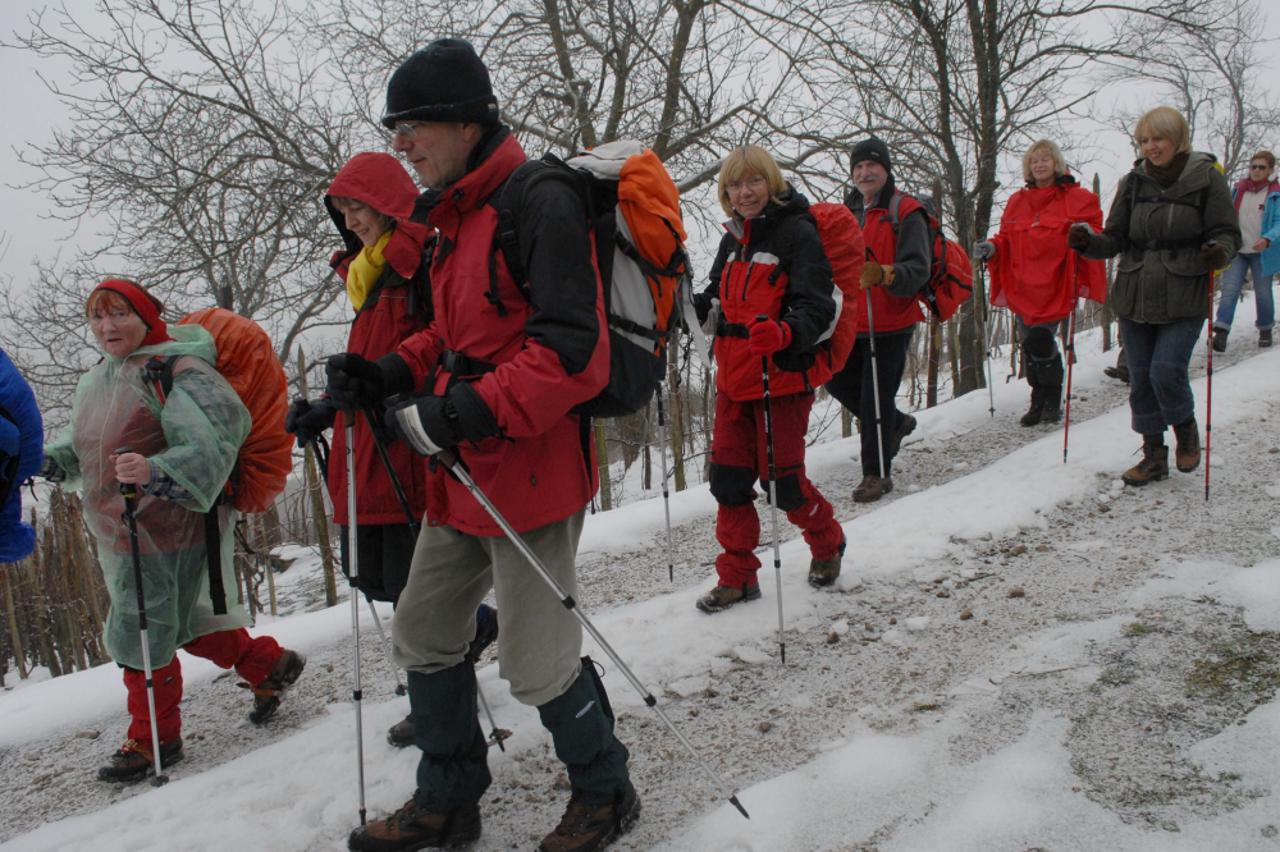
(1173, 225)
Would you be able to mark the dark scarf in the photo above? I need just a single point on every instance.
(1168, 175)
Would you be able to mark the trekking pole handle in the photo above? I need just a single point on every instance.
(128, 489)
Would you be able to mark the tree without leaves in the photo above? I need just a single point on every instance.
(1209, 66)
(954, 85)
(201, 137)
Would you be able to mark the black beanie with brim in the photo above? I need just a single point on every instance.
(444, 81)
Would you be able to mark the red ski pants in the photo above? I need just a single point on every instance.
(252, 658)
(739, 456)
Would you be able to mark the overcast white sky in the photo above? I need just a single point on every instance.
(30, 112)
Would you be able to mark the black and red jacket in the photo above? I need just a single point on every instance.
(548, 342)
(398, 305)
(773, 265)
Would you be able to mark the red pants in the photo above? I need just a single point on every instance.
(739, 456)
(252, 658)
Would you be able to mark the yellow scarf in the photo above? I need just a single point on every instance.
(364, 270)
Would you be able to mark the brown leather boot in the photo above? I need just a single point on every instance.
(1153, 467)
(872, 488)
(412, 827)
(1187, 453)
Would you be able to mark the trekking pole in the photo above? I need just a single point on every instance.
(986, 339)
(1208, 396)
(353, 562)
(666, 495)
(450, 461)
(130, 493)
(414, 525)
(322, 460)
(1071, 353)
(875, 381)
(773, 494)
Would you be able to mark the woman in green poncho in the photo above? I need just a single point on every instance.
(178, 454)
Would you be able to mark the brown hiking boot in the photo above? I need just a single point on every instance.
(723, 597)
(400, 734)
(1186, 453)
(872, 488)
(134, 761)
(586, 825)
(412, 827)
(823, 572)
(1153, 467)
(266, 695)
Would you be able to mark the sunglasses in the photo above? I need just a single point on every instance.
(1260, 167)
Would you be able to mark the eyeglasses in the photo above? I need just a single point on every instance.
(407, 129)
(753, 182)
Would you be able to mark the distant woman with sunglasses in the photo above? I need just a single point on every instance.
(1257, 201)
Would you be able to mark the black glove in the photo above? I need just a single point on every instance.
(354, 381)
(1078, 236)
(1213, 257)
(431, 423)
(307, 419)
(702, 306)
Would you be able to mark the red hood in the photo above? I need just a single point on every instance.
(380, 181)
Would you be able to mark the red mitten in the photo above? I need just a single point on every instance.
(768, 336)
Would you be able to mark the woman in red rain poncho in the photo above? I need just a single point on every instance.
(1036, 276)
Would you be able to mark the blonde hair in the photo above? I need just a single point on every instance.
(1059, 161)
(749, 160)
(1164, 123)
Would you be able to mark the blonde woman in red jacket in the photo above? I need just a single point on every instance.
(1036, 276)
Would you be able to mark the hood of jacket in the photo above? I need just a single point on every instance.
(380, 182)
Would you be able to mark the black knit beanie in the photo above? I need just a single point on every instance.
(873, 149)
(444, 81)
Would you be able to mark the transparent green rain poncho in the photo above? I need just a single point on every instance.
(193, 438)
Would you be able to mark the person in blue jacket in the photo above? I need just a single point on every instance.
(1257, 203)
(21, 455)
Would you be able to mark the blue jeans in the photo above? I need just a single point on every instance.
(1233, 283)
(1159, 384)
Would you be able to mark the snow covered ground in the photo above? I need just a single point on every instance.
(1020, 654)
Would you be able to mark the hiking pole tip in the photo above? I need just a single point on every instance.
(733, 800)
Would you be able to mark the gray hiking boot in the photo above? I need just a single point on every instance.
(823, 572)
(400, 734)
(723, 597)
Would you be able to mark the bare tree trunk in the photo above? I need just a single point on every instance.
(935, 347)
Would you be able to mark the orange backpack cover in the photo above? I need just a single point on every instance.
(846, 252)
(247, 360)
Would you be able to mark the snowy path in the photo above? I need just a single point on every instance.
(1045, 718)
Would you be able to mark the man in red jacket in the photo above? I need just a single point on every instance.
(496, 375)
(899, 259)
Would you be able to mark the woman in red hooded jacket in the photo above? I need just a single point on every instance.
(371, 200)
(1034, 274)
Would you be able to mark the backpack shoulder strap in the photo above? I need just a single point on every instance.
(509, 201)
(159, 372)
